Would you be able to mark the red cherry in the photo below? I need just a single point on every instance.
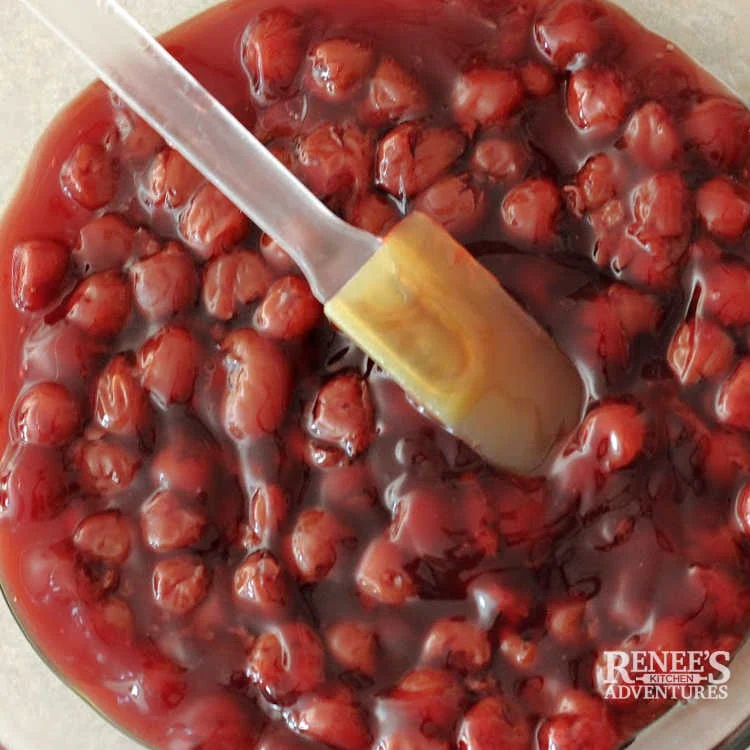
(571, 32)
(105, 466)
(454, 201)
(106, 243)
(425, 697)
(374, 213)
(494, 723)
(537, 79)
(393, 95)
(501, 159)
(381, 574)
(211, 223)
(216, 721)
(651, 137)
(47, 414)
(38, 271)
(186, 463)
(169, 523)
(699, 350)
(338, 68)
(171, 180)
(315, 543)
(719, 129)
(164, 284)
(260, 582)
(272, 52)
(286, 662)
(575, 732)
(180, 584)
(411, 157)
(342, 413)
(100, 305)
(233, 280)
(168, 363)
(565, 621)
(726, 293)
(104, 536)
(724, 207)
(733, 399)
(335, 158)
(486, 96)
(336, 721)
(33, 486)
(289, 309)
(354, 646)
(90, 176)
(258, 385)
(529, 211)
(120, 403)
(614, 434)
(458, 644)
(598, 100)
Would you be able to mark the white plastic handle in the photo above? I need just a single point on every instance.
(152, 83)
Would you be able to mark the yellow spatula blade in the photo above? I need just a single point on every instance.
(425, 310)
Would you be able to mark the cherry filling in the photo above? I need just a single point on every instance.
(231, 530)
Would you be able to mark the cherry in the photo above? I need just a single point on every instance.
(494, 723)
(138, 141)
(427, 697)
(32, 484)
(90, 176)
(168, 363)
(458, 644)
(272, 52)
(501, 160)
(260, 582)
(412, 738)
(565, 621)
(374, 213)
(529, 211)
(180, 584)
(100, 305)
(169, 523)
(267, 514)
(315, 543)
(455, 202)
(381, 574)
(286, 662)
(164, 284)
(412, 156)
(598, 100)
(216, 721)
(47, 414)
(120, 403)
(354, 646)
(335, 158)
(185, 463)
(724, 208)
(113, 622)
(338, 68)
(258, 385)
(576, 732)
(171, 180)
(598, 181)
(486, 96)
(699, 350)
(733, 399)
(521, 653)
(104, 536)
(571, 32)
(211, 223)
(289, 309)
(334, 720)
(232, 280)
(342, 413)
(726, 293)
(59, 351)
(104, 465)
(742, 509)
(651, 137)
(614, 434)
(393, 95)
(38, 271)
(275, 255)
(719, 129)
(537, 79)
(105, 243)
(494, 599)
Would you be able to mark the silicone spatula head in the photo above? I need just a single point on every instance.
(435, 319)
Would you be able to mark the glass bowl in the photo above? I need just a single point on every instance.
(38, 76)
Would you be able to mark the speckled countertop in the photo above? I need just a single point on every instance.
(37, 77)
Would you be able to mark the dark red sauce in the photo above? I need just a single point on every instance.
(229, 530)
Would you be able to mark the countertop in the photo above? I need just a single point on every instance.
(38, 75)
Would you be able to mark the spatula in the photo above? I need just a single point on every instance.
(417, 302)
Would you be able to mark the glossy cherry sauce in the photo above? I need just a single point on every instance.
(225, 526)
